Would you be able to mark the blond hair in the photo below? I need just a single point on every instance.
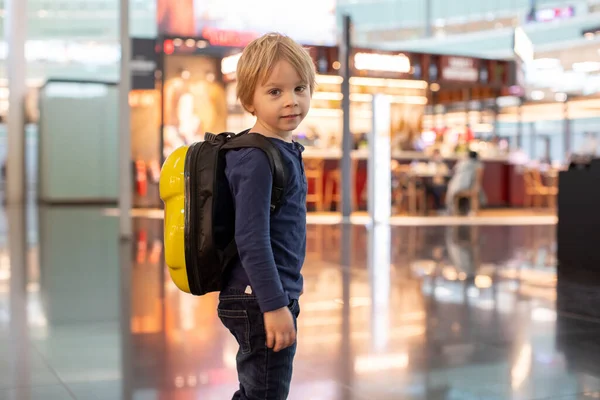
(260, 57)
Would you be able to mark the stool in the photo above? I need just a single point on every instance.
(314, 169)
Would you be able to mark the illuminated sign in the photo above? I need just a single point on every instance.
(220, 37)
(461, 69)
(236, 22)
(522, 46)
(551, 14)
(229, 64)
(382, 62)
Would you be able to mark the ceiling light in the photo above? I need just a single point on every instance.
(546, 63)
(537, 95)
(560, 97)
(586, 66)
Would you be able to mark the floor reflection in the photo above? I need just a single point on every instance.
(461, 312)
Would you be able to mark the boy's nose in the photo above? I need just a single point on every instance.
(291, 100)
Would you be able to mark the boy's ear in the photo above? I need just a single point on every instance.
(249, 108)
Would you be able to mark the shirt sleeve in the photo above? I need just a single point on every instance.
(250, 180)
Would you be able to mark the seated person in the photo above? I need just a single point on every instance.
(437, 186)
(465, 173)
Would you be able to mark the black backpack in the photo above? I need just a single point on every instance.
(209, 217)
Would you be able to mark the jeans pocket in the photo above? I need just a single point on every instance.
(239, 325)
(294, 307)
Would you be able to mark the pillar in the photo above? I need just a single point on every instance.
(567, 129)
(125, 168)
(428, 18)
(347, 139)
(15, 31)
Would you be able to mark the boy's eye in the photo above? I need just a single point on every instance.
(300, 89)
(275, 92)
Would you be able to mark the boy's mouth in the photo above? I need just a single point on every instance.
(292, 116)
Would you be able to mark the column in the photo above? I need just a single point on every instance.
(125, 180)
(347, 139)
(534, 138)
(566, 129)
(15, 32)
(520, 125)
(18, 354)
(428, 18)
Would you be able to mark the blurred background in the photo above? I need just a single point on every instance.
(515, 81)
(462, 264)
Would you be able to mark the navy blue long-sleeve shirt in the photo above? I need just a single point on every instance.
(271, 246)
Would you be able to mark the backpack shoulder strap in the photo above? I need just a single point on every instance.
(273, 155)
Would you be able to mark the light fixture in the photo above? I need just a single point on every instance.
(560, 97)
(586, 66)
(382, 62)
(229, 64)
(546, 63)
(381, 82)
(329, 79)
(483, 281)
(537, 95)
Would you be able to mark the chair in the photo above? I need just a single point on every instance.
(314, 169)
(405, 188)
(471, 194)
(334, 179)
(535, 190)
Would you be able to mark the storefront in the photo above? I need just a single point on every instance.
(196, 86)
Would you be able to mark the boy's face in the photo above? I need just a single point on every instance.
(282, 102)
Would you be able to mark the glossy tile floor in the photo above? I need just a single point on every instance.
(407, 312)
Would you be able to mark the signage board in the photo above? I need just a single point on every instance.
(144, 63)
(238, 21)
(522, 46)
(459, 69)
(399, 63)
(550, 14)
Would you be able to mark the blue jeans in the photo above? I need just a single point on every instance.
(263, 374)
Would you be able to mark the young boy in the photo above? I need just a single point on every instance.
(259, 303)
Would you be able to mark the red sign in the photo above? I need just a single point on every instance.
(552, 14)
(220, 37)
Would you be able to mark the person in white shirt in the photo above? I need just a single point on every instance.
(465, 173)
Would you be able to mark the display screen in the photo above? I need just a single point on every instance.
(312, 23)
(194, 101)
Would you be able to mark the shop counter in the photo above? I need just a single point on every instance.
(363, 154)
(496, 179)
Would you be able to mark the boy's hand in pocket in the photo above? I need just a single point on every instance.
(280, 329)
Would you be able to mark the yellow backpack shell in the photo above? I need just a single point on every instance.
(172, 193)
